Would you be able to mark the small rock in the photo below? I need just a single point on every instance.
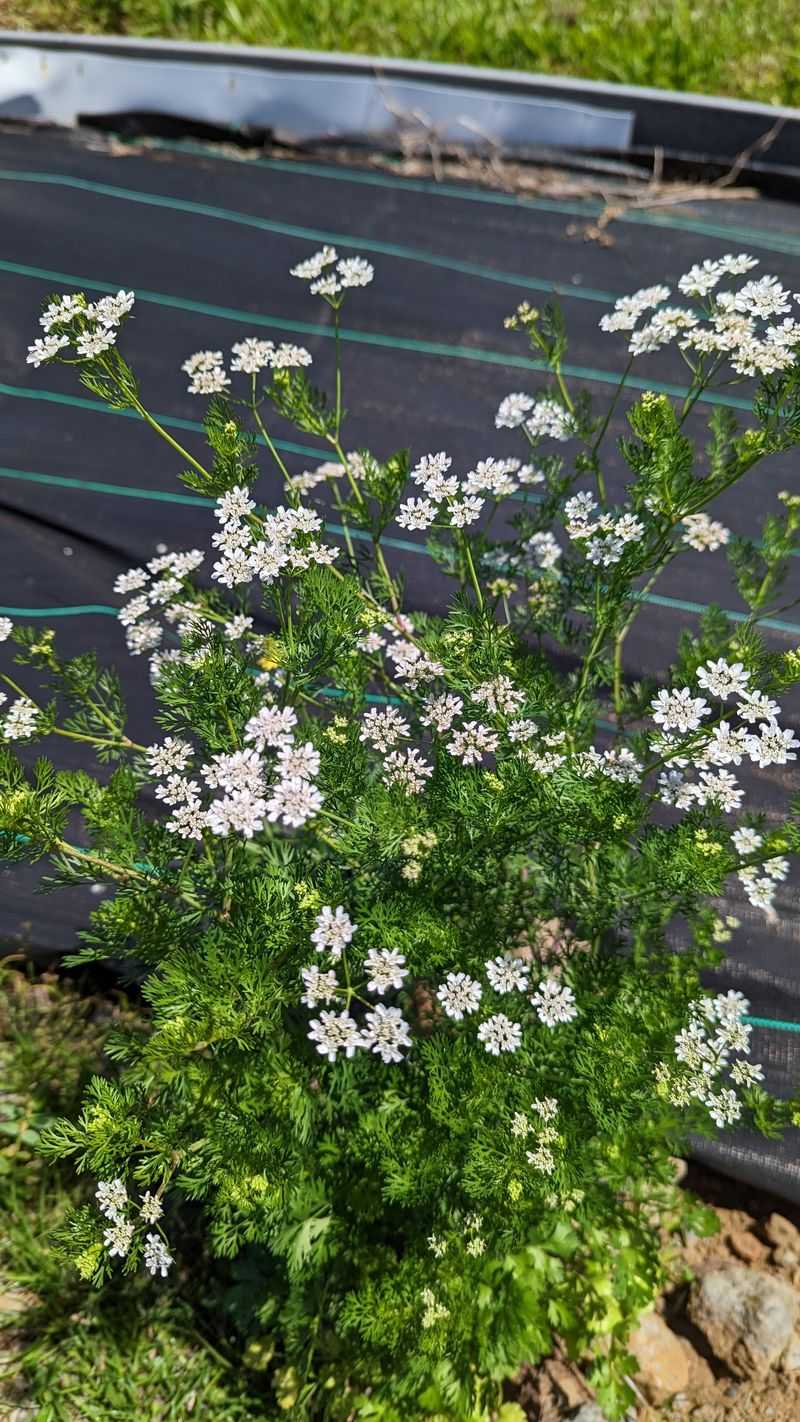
(780, 1231)
(790, 1362)
(748, 1317)
(681, 1168)
(589, 1412)
(663, 1365)
(785, 1258)
(572, 1388)
(746, 1246)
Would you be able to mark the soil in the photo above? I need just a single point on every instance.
(749, 1234)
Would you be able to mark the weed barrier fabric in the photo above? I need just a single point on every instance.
(207, 240)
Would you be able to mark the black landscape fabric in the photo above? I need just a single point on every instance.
(206, 240)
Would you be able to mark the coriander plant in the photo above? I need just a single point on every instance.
(420, 904)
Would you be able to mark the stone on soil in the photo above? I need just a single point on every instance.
(663, 1365)
(747, 1317)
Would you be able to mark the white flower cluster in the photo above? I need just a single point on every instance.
(71, 320)
(161, 593)
(703, 1052)
(540, 419)
(760, 887)
(460, 996)
(680, 713)
(458, 502)
(737, 325)
(704, 534)
(384, 1030)
(114, 1203)
(281, 542)
(249, 796)
(605, 535)
(21, 720)
(545, 1133)
(208, 375)
(330, 275)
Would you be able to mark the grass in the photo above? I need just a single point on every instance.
(744, 48)
(134, 1350)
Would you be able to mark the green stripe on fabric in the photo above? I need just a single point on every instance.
(683, 605)
(307, 234)
(775, 1022)
(781, 241)
(369, 338)
(79, 611)
(81, 402)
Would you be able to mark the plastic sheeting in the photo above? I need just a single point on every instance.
(207, 243)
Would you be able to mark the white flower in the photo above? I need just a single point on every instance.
(237, 627)
(774, 746)
(763, 297)
(92, 343)
(554, 1002)
(416, 513)
(150, 1208)
(407, 769)
(299, 761)
(314, 265)
(157, 1258)
(251, 355)
(289, 357)
(465, 511)
(704, 533)
(118, 1238)
(177, 791)
(44, 348)
(547, 1108)
(755, 706)
(136, 608)
(20, 720)
(371, 642)
(431, 469)
(441, 711)
(241, 811)
(459, 994)
(777, 868)
(521, 730)
(500, 1034)
(499, 696)
(386, 1032)
(512, 410)
(110, 310)
(354, 271)
(747, 1073)
(721, 787)
(62, 310)
(319, 986)
(605, 551)
(746, 840)
(507, 974)
(271, 726)
(543, 549)
(327, 285)
(334, 930)
(173, 754)
(334, 1032)
(550, 419)
(386, 968)
(471, 743)
(724, 1108)
(188, 820)
(384, 728)
(239, 770)
(6, 628)
(678, 710)
(131, 581)
(294, 801)
(233, 505)
(723, 679)
(207, 373)
(112, 1199)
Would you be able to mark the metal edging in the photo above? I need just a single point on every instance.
(663, 118)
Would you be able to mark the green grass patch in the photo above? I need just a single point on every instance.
(137, 1351)
(744, 48)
